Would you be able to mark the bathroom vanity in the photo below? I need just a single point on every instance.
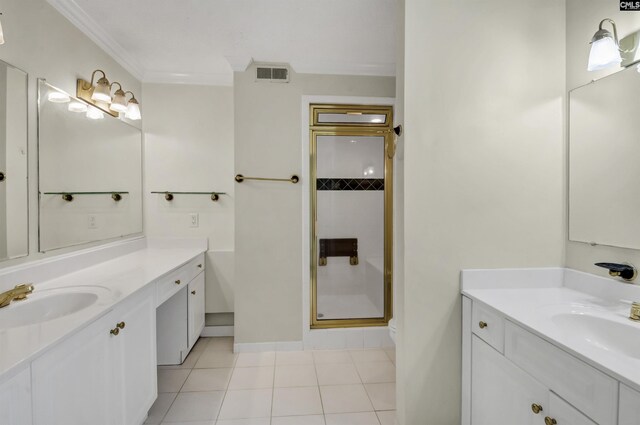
(82, 348)
(549, 346)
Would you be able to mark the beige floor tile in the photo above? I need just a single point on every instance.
(298, 420)
(188, 363)
(337, 374)
(211, 422)
(369, 356)
(383, 396)
(267, 358)
(190, 407)
(249, 378)
(362, 418)
(290, 358)
(251, 421)
(214, 359)
(345, 399)
(387, 417)
(160, 408)
(220, 344)
(239, 404)
(296, 401)
(207, 380)
(171, 380)
(200, 344)
(331, 356)
(295, 376)
(376, 372)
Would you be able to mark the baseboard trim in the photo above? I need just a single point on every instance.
(213, 331)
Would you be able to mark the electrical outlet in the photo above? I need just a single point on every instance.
(92, 223)
(194, 220)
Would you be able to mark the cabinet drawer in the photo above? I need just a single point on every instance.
(488, 324)
(629, 406)
(585, 387)
(179, 278)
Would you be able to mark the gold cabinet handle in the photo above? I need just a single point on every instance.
(114, 331)
(178, 282)
(121, 325)
(193, 292)
(536, 408)
(550, 421)
(482, 324)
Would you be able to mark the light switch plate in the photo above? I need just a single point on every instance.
(194, 220)
(92, 222)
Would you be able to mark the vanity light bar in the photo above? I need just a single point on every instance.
(99, 95)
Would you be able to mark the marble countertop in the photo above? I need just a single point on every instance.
(111, 281)
(543, 310)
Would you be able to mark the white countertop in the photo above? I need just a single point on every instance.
(537, 309)
(112, 280)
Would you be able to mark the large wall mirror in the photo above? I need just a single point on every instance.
(604, 161)
(14, 203)
(90, 172)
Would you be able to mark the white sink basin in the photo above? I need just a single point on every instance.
(45, 305)
(606, 334)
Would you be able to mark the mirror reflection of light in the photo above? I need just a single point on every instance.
(77, 107)
(58, 97)
(368, 171)
(376, 120)
(95, 114)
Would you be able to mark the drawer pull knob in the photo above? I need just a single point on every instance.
(199, 266)
(536, 408)
(121, 325)
(482, 324)
(114, 331)
(178, 282)
(550, 421)
(193, 292)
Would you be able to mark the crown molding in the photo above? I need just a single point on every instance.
(341, 68)
(81, 20)
(188, 78)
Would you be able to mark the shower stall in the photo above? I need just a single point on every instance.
(351, 172)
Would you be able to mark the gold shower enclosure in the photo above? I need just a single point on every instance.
(351, 175)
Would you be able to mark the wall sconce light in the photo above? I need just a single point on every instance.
(1, 33)
(99, 95)
(605, 48)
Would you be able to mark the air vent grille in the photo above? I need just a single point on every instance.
(272, 74)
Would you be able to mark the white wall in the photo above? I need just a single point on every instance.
(269, 215)
(484, 162)
(189, 147)
(43, 43)
(583, 17)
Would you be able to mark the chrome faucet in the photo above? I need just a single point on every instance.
(18, 293)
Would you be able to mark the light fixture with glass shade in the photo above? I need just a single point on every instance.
(133, 109)
(99, 95)
(1, 32)
(118, 103)
(605, 49)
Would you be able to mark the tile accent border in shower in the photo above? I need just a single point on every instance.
(350, 184)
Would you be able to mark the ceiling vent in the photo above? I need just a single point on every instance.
(272, 73)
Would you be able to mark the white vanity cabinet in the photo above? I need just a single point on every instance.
(515, 377)
(104, 374)
(195, 307)
(15, 399)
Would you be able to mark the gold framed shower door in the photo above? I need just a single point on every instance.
(384, 129)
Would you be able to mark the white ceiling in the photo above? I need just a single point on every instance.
(203, 41)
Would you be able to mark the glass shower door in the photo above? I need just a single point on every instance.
(350, 226)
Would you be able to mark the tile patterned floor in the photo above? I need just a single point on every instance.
(214, 386)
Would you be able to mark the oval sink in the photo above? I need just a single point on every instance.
(44, 306)
(601, 332)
